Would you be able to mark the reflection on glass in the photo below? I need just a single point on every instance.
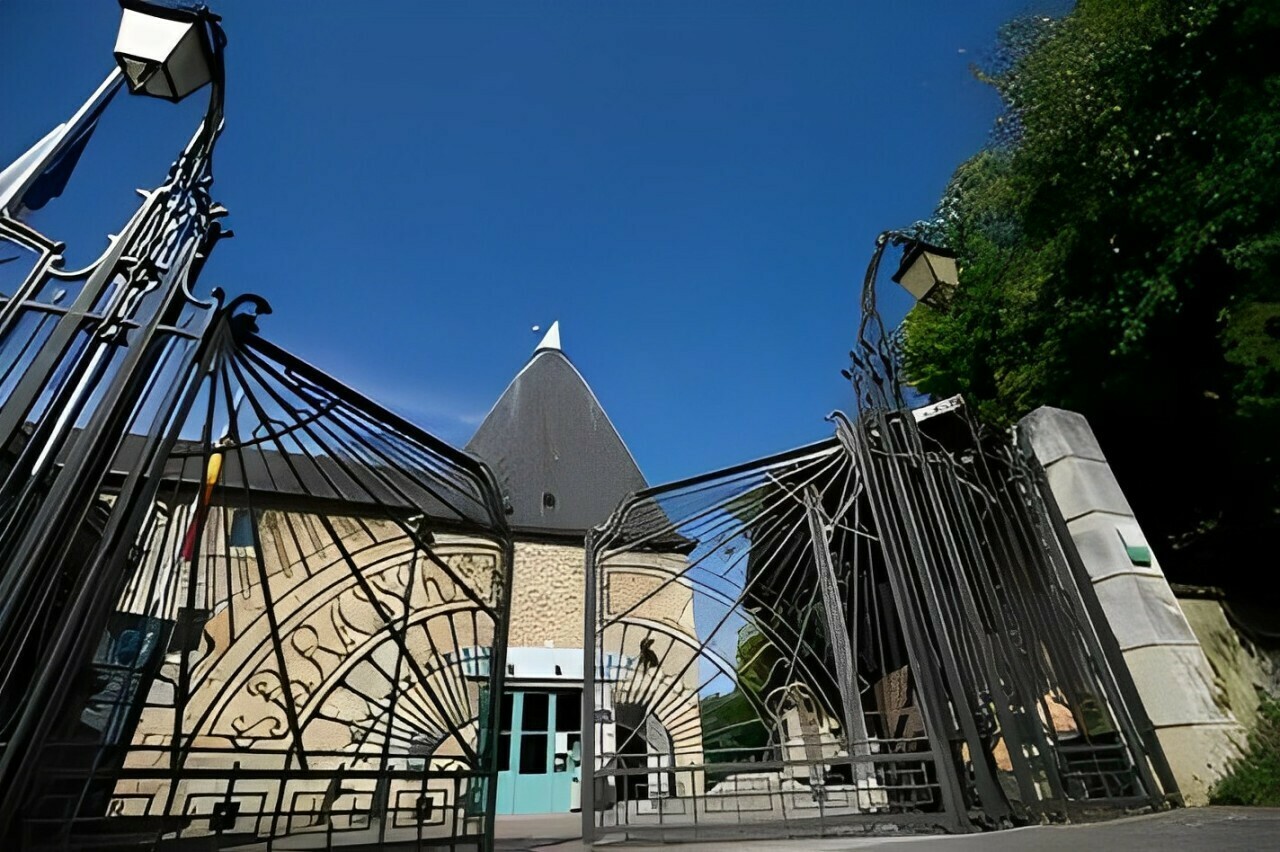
(568, 712)
(18, 345)
(61, 292)
(533, 754)
(507, 701)
(535, 711)
(504, 752)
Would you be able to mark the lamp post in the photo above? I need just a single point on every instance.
(103, 354)
(167, 50)
(928, 273)
(163, 49)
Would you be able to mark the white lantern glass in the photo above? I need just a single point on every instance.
(928, 272)
(161, 56)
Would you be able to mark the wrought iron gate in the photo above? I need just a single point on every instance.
(279, 617)
(890, 627)
(238, 601)
(882, 628)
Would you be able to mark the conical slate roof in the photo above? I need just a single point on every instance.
(558, 459)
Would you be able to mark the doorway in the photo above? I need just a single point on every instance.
(539, 750)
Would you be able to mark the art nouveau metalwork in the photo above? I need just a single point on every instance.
(889, 627)
(238, 601)
(305, 637)
(241, 604)
(87, 357)
(763, 582)
(331, 582)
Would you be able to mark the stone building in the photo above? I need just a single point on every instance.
(306, 617)
(563, 468)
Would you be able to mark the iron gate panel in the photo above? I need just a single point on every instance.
(239, 602)
(725, 620)
(881, 629)
(1043, 728)
(303, 635)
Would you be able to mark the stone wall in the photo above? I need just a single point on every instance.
(1243, 673)
(547, 596)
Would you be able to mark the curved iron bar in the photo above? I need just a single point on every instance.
(751, 577)
(876, 372)
(101, 490)
(402, 541)
(78, 389)
(972, 536)
(905, 570)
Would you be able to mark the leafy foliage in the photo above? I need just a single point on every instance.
(1119, 243)
(1255, 778)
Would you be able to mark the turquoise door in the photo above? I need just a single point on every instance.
(539, 734)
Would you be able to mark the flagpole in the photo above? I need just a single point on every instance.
(23, 172)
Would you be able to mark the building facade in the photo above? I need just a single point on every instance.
(562, 468)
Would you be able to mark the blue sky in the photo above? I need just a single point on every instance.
(692, 188)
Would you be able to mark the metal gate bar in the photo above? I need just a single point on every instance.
(302, 635)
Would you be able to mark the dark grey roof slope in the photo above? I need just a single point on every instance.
(558, 459)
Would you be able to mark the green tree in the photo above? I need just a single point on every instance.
(1119, 244)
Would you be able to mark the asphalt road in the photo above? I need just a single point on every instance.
(1187, 830)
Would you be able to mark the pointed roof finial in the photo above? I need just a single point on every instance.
(556, 455)
(551, 340)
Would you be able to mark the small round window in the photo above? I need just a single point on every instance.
(548, 500)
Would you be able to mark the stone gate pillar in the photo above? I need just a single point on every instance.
(1174, 678)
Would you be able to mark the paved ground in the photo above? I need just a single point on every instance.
(1190, 830)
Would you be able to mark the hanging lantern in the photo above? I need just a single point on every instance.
(165, 49)
(928, 273)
